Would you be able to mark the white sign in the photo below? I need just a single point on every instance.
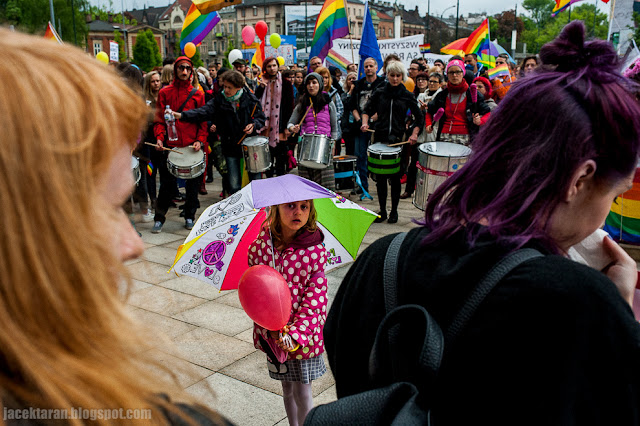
(407, 48)
(113, 51)
(431, 58)
(284, 50)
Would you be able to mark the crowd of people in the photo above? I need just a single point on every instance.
(555, 342)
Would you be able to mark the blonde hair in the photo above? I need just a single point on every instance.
(346, 81)
(167, 75)
(146, 88)
(66, 339)
(326, 76)
(274, 222)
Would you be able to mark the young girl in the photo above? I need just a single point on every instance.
(300, 257)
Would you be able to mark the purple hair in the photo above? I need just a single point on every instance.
(576, 107)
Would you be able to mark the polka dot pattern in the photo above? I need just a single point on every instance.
(303, 269)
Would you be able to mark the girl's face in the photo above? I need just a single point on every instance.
(481, 88)
(313, 87)
(394, 79)
(422, 84)
(155, 82)
(293, 216)
(327, 78)
(455, 75)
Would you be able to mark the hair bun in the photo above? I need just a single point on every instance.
(569, 51)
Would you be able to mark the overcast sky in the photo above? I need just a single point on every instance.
(437, 6)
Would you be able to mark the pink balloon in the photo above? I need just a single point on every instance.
(261, 29)
(265, 297)
(248, 35)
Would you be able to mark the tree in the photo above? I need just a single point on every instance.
(225, 59)
(146, 53)
(636, 27)
(31, 16)
(540, 11)
(196, 60)
(501, 26)
(117, 37)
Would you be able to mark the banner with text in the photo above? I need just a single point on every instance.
(407, 48)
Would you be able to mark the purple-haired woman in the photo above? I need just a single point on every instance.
(555, 342)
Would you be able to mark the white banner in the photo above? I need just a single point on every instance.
(431, 58)
(113, 51)
(407, 48)
(284, 50)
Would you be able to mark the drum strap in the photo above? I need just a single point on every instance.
(431, 171)
(193, 92)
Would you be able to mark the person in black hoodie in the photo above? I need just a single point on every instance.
(234, 112)
(391, 103)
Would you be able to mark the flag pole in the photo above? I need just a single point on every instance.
(346, 9)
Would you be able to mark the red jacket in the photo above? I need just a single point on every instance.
(174, 95)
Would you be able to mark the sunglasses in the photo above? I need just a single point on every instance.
(184, 67)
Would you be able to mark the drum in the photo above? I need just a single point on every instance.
(256, 154)
(384, 159)
(135, 167)
(188, 165)
(344, 168)
(314, 151)
(436, 162)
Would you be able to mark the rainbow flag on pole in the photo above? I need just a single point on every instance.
(425, 48)
(196, 26)
(562, 5)
(337, 60)
(500, 70)
(479, 42)
(51, 33)
(330, 25)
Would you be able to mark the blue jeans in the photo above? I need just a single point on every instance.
(361, 145)
(235, 174)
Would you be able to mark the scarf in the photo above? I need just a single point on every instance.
(271, 99)
(234, 100)
(458, 88)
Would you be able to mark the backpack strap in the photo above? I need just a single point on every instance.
(193, 92)
(490, 280)
(390, 272)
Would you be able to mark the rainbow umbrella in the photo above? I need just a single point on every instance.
(454, 48)
(215, 251)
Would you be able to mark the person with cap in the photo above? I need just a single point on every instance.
(484, 86)
(240, 65)
(276, 97)
(321, 118)
(502, 84)
(460, 106)
(180, 96)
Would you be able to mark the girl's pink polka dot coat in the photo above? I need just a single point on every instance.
(303, 269)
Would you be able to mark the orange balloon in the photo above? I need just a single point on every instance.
(189, 49)
(409, 84)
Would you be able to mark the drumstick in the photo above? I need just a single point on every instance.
(164, 148)
(305, 114)
(371, 130)
(245, 135)
(399, 143)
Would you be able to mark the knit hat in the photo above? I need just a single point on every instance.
(183, 59)
(487, 85)
(316, 76)
(456, 63)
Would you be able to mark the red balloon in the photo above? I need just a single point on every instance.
(265, 297)
(261, 29)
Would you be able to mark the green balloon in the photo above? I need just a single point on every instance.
(275, 40)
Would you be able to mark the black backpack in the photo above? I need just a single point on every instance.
(404, 376)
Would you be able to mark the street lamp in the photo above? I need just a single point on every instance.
(440, 32)
(457, 17)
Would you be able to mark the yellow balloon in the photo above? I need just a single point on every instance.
(189, 49)
(280, 60)
(409, 84)
(102, 57)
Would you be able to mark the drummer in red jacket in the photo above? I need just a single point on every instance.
(180, 95)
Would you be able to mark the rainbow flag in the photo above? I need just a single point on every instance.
(425, 48)
(196, 26)
(562, 5)
(477, 38)
(331, 24)
(336, 60)
(150, 168)
(500, 70)
(51, 33)
(623, 221)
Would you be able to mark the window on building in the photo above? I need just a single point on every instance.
(97, 47)
(215, 45)
(255, 11)
(390, 34)
(177, 20)
(242, 12)
(231, 28)
(266, 10)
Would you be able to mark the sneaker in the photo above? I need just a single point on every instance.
(188, 224)
(393, 217)
(382, 217)
(148, 217)
(157, 228)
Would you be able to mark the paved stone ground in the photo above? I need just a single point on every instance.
(205, 337)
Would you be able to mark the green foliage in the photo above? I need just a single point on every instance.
(146, 53)
(225, 59)
(501, 26)
(31, 16)
(117, 37)
(196, 60)
(636, 29)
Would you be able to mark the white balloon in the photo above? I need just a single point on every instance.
(234, 54)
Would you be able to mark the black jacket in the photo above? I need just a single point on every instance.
(391, 104)
(229, 122)
(287, 103)
(553, 344)
(478, 107)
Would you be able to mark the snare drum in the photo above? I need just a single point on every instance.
(135, 167)
(314, 151)
(344, 168)
(384, 159)
(256, 154)
(436, 162)
(188, 165)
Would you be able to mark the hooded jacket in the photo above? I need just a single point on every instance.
(174, 95)
(391, 103)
